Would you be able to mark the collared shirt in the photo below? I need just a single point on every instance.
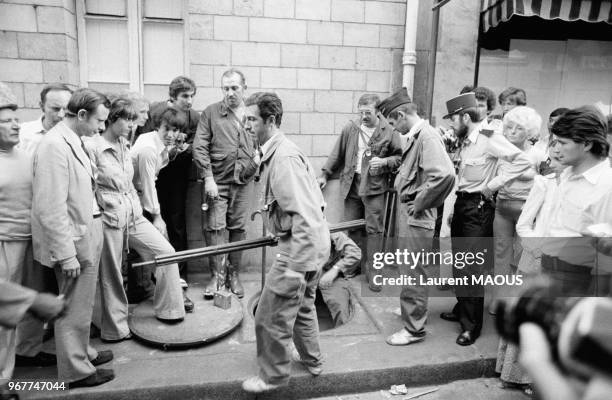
(149, 156)
(265, 148)
(30, 134)
(582, 200)
(480, 154)
(362, 144)
(115, 190)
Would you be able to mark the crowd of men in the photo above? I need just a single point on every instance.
(99, 176)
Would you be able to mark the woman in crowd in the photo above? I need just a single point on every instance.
(512, 97)
(124, 225)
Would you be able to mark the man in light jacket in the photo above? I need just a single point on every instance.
(67, 233)
(426, 177)
(294, 203)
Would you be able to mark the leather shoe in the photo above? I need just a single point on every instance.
(41, 359)
(103, 357)
(466, 338)
(233, 281)
(189, 306)
(97, 378)
(449, 316)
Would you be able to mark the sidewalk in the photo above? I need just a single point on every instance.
(357, 359)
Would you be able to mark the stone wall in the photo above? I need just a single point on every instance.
(318, 55)
(38, 44)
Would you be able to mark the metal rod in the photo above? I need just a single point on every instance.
(240, 245)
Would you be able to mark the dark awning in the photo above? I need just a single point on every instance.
(495, 12)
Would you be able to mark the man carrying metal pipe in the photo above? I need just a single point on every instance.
(286, 309)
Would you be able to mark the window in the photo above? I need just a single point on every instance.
(138, 45)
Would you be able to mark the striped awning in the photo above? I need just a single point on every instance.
(496, 11)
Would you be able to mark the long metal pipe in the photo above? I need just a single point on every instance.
(240, 245)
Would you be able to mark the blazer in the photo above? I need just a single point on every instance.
(426, 176)
(384, 143)
(63, 199)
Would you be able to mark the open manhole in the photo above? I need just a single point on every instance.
(324, 317)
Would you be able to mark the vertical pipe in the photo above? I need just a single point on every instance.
(435, 22)
(410, 34)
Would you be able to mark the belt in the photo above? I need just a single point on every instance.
(555, 264)
(468, 195)
(97, 216)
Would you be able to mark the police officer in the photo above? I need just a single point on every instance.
(472, 220)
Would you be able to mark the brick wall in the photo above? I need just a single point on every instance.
(320, 56)
(38, 44)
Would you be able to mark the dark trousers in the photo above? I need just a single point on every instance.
(472, 231)
(171, 185)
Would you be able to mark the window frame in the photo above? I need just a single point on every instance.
(135, 22)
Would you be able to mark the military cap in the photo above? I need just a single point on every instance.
(460, 103)
(392, 102)
(7, 98)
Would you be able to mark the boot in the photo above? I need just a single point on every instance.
(373, 245)
(233, 266)
(233, 281)
(217, 264)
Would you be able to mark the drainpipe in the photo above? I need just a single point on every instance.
(409, 57)
(431, 75)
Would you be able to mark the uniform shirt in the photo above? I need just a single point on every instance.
(583, 200)
(362, 145)
(15, 195)
(480, 154)
(149, 156)
(115, 190)
(30, 135)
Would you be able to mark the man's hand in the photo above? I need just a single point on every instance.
(377, 162)
(160, 225)
(322, 181)
(210, 186)
(328, 278)
(47, 306)
(603, 245)
(449, 220)
(71, 267)
(410, 208)
(487, 193)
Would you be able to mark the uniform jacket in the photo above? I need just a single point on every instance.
(222, 148)
(295, 206)
(63, 200)
(426, 176)
(384, 143)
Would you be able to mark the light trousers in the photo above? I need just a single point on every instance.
(286, 312)
(148, 242)
(14, 255)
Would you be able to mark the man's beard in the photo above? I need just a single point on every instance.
(462, 131)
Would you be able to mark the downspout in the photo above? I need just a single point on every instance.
(433, 50)
(409, 58)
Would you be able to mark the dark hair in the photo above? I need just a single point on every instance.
(368, 98)
(121, 107)
(234, 71)
(518, 95)
(467, 89)
(484, 93)
(86, 99)
(172, 118)
(181, 84)
(558, 111)
(584, 124)
(53, 87)
(472, 112)
(269, 104)
(407, 108)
